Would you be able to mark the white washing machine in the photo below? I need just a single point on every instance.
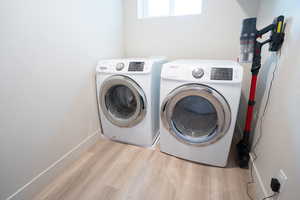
(199, 102)
(128, 98)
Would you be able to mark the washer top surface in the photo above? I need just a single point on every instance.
(203, 71)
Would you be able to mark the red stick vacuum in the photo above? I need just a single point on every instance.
(251, 52)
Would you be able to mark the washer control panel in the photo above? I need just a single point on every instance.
(125, 66)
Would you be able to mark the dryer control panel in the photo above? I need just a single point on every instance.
(203, 71)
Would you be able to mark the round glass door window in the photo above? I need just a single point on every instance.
(194, 117)
(120, 101)
(196, 114)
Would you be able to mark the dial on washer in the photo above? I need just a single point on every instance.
(198, 73)
(120, 66)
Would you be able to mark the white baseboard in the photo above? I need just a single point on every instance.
(30, 189)
(261, 191)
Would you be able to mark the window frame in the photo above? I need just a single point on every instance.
(142, 10)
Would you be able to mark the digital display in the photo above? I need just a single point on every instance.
(136, 66)
(224, 74)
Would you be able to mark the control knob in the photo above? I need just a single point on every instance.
(120, 66)
(198, 73)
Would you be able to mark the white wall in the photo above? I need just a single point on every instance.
(212, 35)
(279, 147)
(48, 54)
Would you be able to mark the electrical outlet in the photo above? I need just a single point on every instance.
(282, 177)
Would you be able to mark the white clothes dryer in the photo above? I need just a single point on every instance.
(199, 103)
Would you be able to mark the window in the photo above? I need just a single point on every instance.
(161, 8)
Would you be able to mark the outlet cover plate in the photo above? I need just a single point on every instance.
(282, 177)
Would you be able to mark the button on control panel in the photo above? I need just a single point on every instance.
(198, 73)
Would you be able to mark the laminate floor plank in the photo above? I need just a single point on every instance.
(115, 171)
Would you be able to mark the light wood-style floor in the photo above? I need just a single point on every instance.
(114, 171)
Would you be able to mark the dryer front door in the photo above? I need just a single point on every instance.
(196, 114)
(122, 101)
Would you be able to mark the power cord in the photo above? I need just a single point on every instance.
(270, 196)
(265, 110)
(260, 130)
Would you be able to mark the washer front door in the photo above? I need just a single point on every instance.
(122, 101)
(196, 114)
